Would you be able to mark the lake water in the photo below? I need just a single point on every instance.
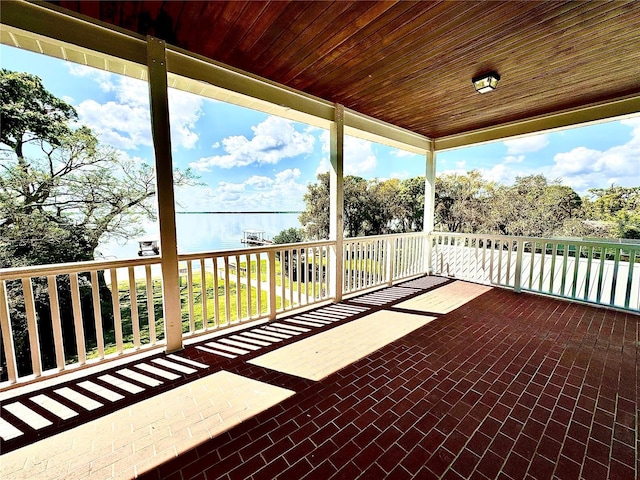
(200, 232)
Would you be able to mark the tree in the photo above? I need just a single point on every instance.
(289, 235)
(384, 208)
(356, 203)
(411, 196)
(535, 207)
(315, 217)
(618, 207)
(461, 201)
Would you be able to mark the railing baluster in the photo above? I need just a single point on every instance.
(517, 280)
(614, 280)
(587, 281)
(77, 318)
(352, 266)
(258, 284)
(565, 262)
(117, 319)
(509, 249)
(238, 291)
(542, 260)
(133, 299)
(603, 256)
(7, 335)
(632, 259)
(192, 322)
(32, 327)
(574, 286)
(97, 311)
(299, 274)
(554, 254)
(227, 293)
(248, 292)
(365, 268)
(482, 243)
(532, 261)
(491, 261)
(283, 270)
(271, 265)
(56, 324)
(151, 314)
(359, 266)
(203, 294)
(314, 251)
(500, 246)
(216, 297)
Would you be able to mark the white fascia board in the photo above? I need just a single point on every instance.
(617, 109)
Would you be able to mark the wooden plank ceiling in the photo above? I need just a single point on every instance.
(411, 63)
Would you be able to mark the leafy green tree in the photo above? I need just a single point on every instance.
(534, 207)
(289, 235)
(356, 202)
(616, 207)
(384, 208)
(315, 217)
(411, 198)
(461, 203)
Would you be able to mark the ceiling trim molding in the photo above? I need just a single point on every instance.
(595, 113)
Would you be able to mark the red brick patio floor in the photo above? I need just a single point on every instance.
(507, 386)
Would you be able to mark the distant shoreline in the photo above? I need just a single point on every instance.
(262, 212)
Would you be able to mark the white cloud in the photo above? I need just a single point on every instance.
(584, 168)
(273, 140)
(359, 158)
(185, 109)
(124, 122)
(260, 182)
(526, 144)
(499, 173)
(402, 153)
(121, 126)
(257, 193)
(514, 159)
(323, 167)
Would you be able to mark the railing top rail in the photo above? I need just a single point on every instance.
(385, 236)
(605, 243)
(73, 267)
(257, 249)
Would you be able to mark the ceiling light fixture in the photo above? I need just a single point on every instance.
(486, 83)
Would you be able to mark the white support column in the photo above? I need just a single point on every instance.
(336, 202)
(159, 103)
(429, 204)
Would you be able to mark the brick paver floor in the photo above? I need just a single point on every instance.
(490, 385)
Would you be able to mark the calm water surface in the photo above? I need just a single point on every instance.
(201, 232)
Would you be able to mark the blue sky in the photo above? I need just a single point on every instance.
(252, 161)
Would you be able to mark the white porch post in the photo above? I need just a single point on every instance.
(336, 202)
(429, 204)
(159, 104)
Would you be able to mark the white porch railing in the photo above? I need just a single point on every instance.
(382, 260)
(36, 302)
(84, 319)
(604, 273)
(253, 283)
